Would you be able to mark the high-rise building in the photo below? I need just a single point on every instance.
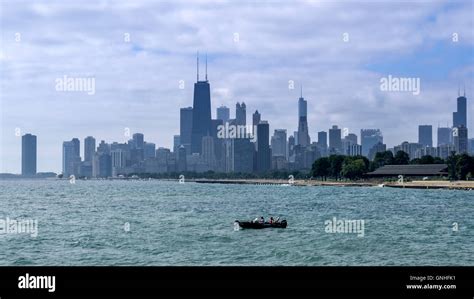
(77, 146)
(425, 135)
(256, 117)
(377, 148)
(201, 112)
(149, 151)
(181, 158)
(138, 140)
(444, 136)
(323, 139)
(263, 147)
(28, 155)
(185, 128)
(279, 143)
(71, 158)
(119, 161)
(460, 116)
(89, 148)
(303, 133)
(460, 139)
(240, 114)
(291, 146)
(335, 142)
(176, 143)
(102, 163)
(243, 154)
(471, 146)
(223, 113)
(208, 154)
(369, 138)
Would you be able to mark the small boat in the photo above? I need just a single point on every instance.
(257, 225)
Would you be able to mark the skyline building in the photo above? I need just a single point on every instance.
(263, 147)
(185, 128)
(223, 113)
(460, 116)
(335, 142)
(89, 148)
(28, 155)
(240, 114)
(149, 150)
(71, 159)
(279, 143)
(201, 123)
(303, 133)
(369, 138)
(444, 136)
(460, 138)
(425, 135)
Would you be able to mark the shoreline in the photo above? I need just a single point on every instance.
(451, 185)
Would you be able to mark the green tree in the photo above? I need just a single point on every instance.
(401, 158)
(321, 167)
(353, 169)
(335, 165)
(463, 166)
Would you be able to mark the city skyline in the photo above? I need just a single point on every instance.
(140, 87)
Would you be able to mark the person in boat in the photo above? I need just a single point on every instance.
(271, 220)
(262, 220)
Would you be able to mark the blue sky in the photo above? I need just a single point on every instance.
(137, 82)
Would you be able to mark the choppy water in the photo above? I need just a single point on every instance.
(192, 224)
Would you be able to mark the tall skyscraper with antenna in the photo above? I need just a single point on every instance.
(303, 133)
(202, 125)
(460, 116)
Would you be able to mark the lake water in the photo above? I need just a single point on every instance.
(167, 223)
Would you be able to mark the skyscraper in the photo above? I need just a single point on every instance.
(323, 139)
(255, 121)
(138, 140)
(89, 148)
(223, 113)
(369, 138)
(186, 127)
(335, 142)
(303, 134)
(279, 143)
(444, 136)
(71, 158)
(28, 155)
(460, 116)
(460, 139)
(425, 135)
(149, 150)
(201, 112)
(240, 114)
(77, 146)
(263, 147)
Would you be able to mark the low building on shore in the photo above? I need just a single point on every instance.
(415, 170)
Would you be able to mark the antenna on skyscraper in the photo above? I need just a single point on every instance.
(464, 89)
(301, 91)
(206, 66)
(197, 65)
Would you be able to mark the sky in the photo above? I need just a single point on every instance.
(141, 53)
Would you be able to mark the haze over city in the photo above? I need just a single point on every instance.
(142, 53)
